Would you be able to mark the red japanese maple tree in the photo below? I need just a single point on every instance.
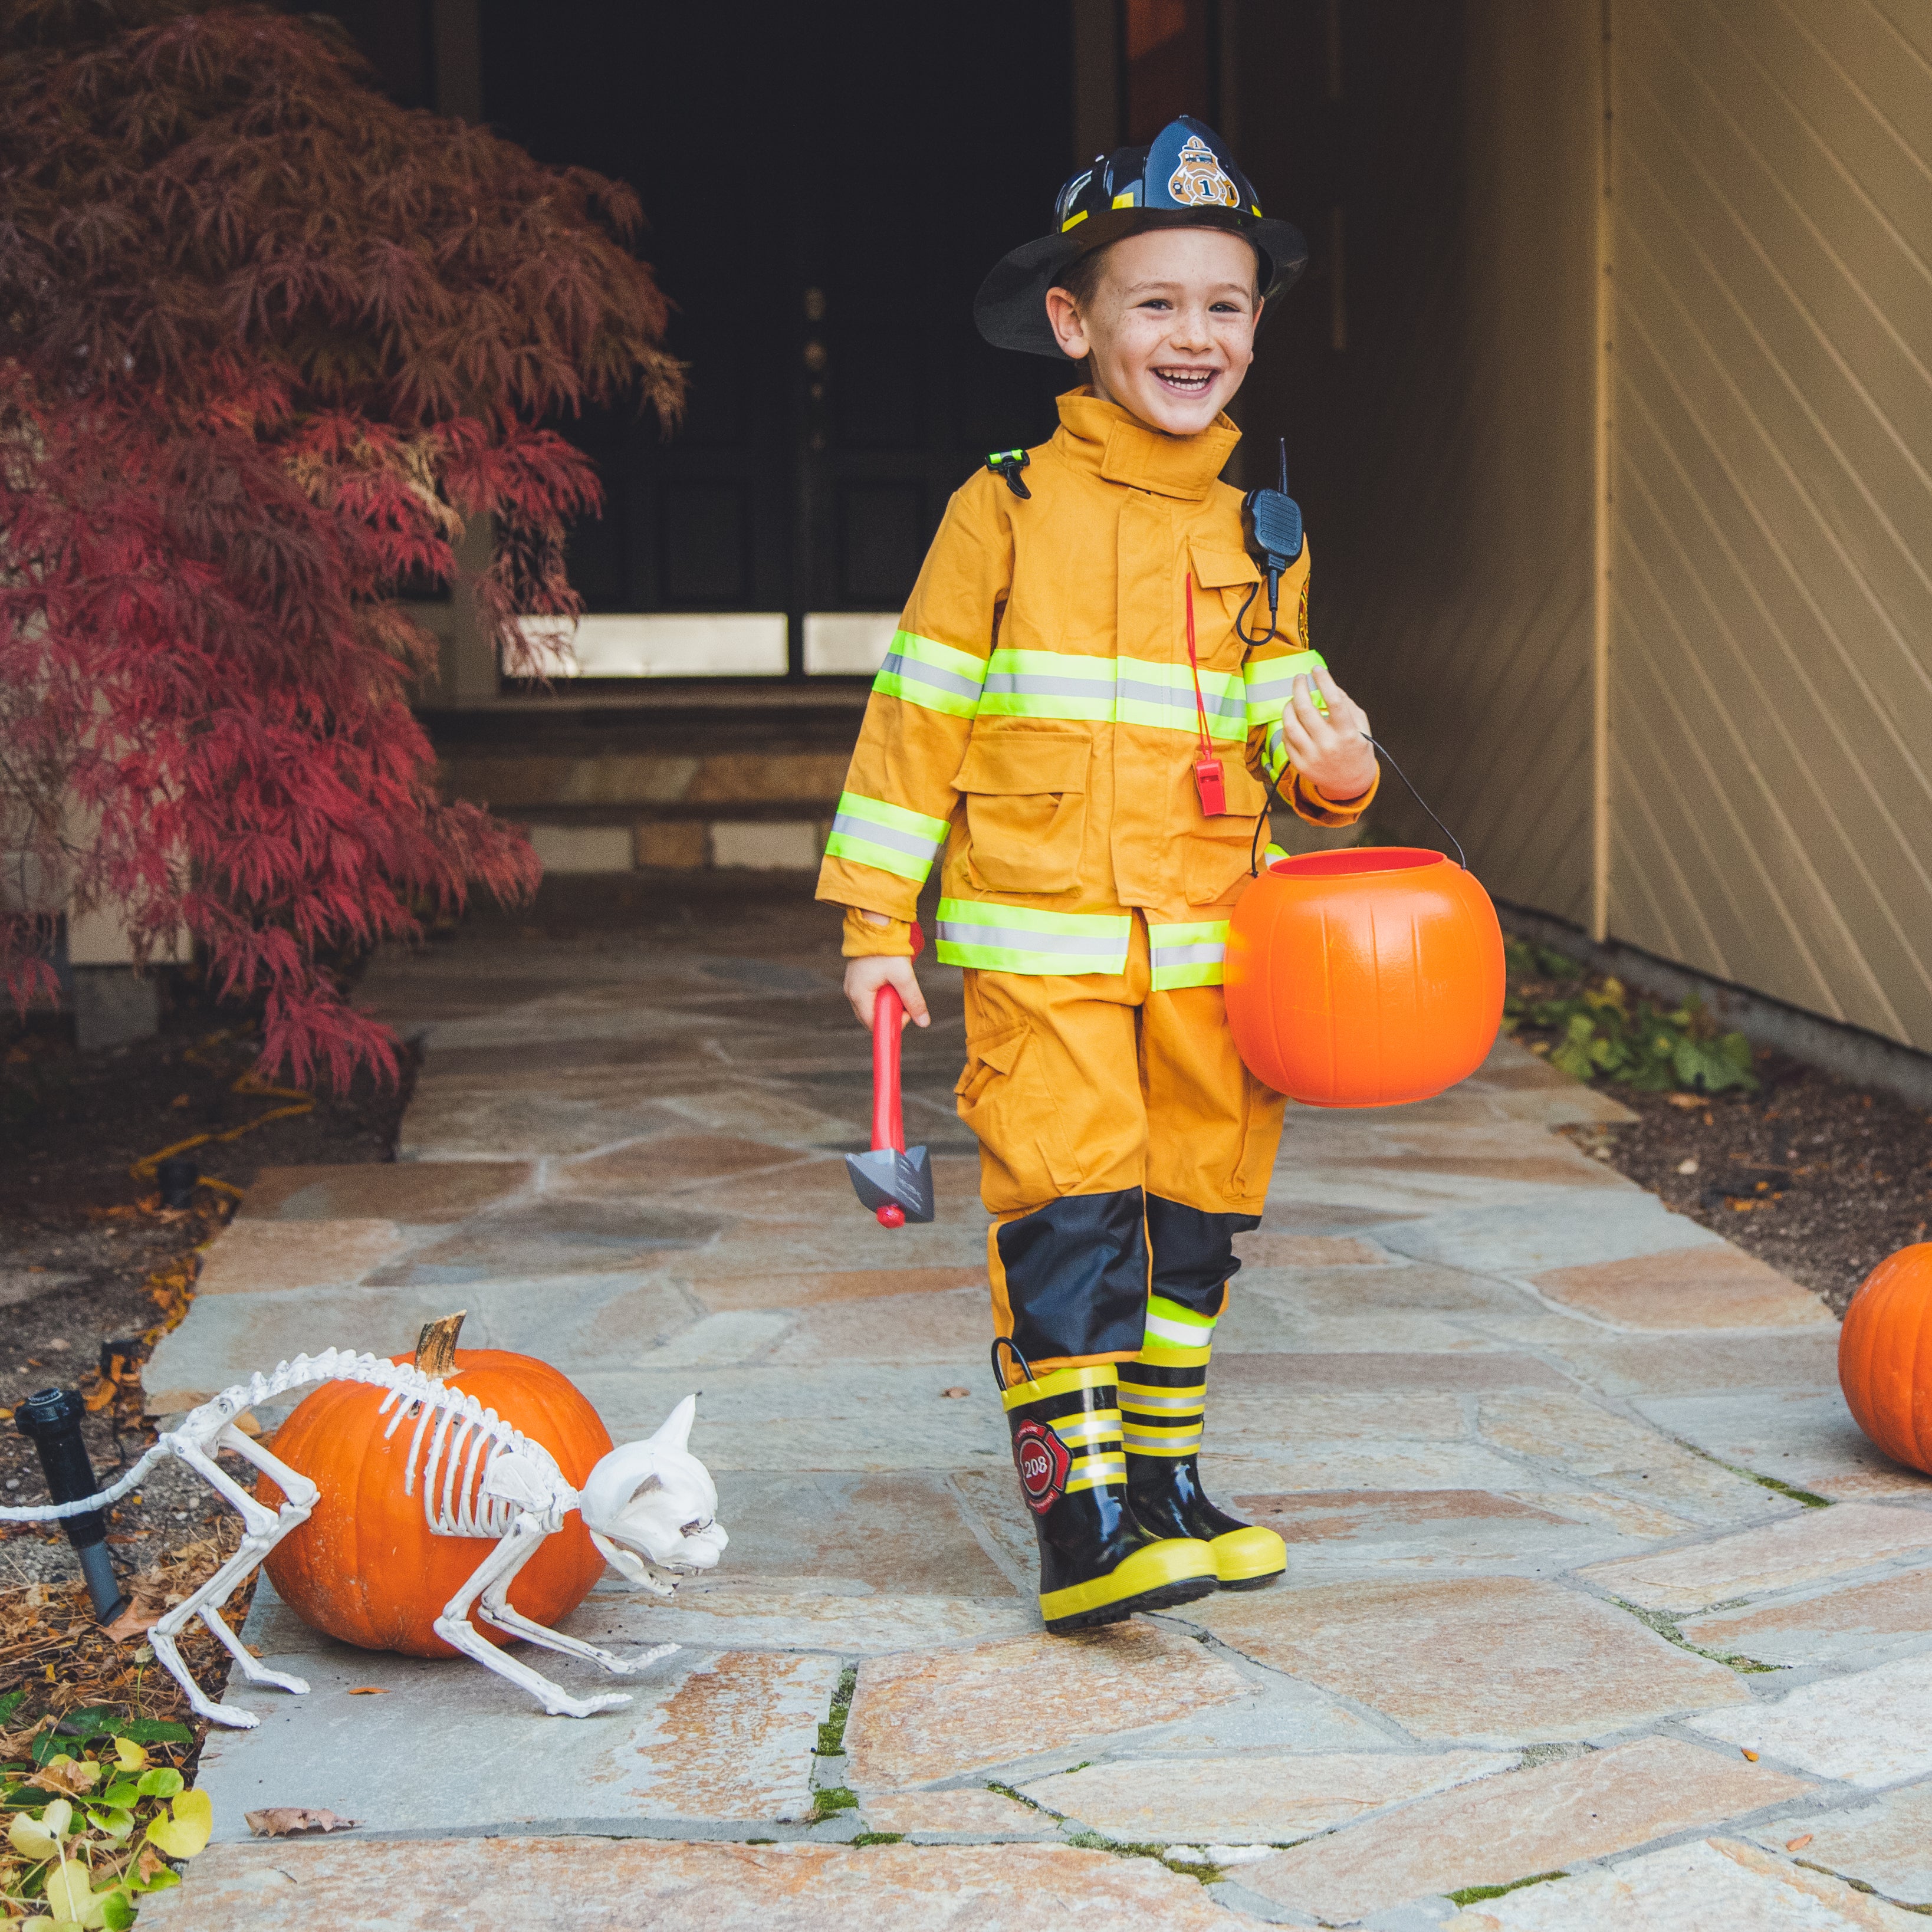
(268, 342)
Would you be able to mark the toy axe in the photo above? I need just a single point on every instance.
(895, 1181)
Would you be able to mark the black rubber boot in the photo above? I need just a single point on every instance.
(1163, 1396)
(1097, 1564)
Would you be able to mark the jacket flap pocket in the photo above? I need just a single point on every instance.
(1024, 763)
(1222, 569)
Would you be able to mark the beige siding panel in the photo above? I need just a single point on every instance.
(1462, 606)
(1772, 680)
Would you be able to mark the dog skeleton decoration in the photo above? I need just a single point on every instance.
(645, 1503)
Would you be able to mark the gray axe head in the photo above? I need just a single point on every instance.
(886, 1177)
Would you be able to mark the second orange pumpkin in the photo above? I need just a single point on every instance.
(365, 1567)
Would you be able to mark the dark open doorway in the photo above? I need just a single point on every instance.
(825, 183)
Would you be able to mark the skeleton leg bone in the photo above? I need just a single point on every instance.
(263, 1529)
(491, 1576)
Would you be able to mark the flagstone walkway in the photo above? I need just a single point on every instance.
(1591, 1574)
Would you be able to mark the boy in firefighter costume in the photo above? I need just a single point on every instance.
(1092, 774)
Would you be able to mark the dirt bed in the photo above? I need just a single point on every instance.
(90, 1262)
(1820, 1178)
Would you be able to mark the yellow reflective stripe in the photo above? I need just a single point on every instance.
(1163, 1442)
(1072, 220)
(1187, 955)
(1022, 939)
(1199, 1328)
(870, 832)
(1113, 690)
(935, 677)
(1088, 1425)
(1159, 1354)
(1169, 1404)
(1061, 1381)
(1270, 683)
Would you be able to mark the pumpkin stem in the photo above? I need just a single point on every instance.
(436, 1346)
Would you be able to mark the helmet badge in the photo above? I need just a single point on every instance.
(1199, 181)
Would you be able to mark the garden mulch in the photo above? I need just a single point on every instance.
(1820, 1178)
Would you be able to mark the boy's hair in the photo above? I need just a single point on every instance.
(1081, 276)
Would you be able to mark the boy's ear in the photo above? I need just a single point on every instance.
(1069, 328)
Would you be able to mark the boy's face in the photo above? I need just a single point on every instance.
(1170, 327)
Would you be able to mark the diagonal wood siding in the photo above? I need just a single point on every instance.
(1771, 653)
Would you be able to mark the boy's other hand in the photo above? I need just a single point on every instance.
(1331, 749)
(863, 979)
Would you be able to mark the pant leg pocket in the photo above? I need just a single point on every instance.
(1002, 1097)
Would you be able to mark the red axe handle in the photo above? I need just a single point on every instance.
(888, 1125)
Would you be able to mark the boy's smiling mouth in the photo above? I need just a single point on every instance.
(1186, 382)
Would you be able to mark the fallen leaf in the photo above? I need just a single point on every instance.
(185, 1834)
(369, 1691)
(954, 1393)
(140, 1616)
(1686, 1101)
(1751, 1754)
(286, 1821)
(246, 1423)
(65, 1773)
(1797, 1843)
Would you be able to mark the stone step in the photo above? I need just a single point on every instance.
(677, 779)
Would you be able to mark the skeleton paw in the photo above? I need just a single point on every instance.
(586, 1707)
(230, 1717)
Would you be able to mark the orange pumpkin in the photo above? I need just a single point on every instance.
(365, 1567)
(1885, 1356)
(1364, 978)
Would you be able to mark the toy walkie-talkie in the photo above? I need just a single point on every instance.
(1273, 520)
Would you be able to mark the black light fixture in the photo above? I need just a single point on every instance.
(177, 1177)
(51, 1421)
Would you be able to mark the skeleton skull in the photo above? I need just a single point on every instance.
(655, 1501)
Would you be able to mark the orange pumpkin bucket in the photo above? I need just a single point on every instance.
(1365, 978)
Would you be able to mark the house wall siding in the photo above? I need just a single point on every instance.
(1772, 678)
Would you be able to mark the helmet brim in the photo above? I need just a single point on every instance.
(1010, 309)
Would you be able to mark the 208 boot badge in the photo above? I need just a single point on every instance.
(1043, 1461)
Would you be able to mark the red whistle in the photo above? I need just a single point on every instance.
(1212, 787)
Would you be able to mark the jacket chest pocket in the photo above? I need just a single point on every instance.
(1228, 580)
(1026, 809)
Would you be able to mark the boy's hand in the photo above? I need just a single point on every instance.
(1330, 750)
(863, 979)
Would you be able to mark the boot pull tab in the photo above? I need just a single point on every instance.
(999, 1374)
(1006, 464)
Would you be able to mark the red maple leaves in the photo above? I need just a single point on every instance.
(267, 343)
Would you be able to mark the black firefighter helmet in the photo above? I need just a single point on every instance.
(1183, 177)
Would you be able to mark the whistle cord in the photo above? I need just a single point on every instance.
(1194, 665)
(1254, 846)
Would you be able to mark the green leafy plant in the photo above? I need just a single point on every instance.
(87, 1837)
(1602, 1033)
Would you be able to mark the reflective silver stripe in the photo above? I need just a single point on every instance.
(1184, 1404)
(1022, 939)
(1204, 955)
(1234, 709)
(898, 664)
(873, 833)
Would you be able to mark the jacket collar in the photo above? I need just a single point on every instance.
(1102, 438)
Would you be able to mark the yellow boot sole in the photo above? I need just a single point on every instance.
(1156, 1577)
(1245, 1559)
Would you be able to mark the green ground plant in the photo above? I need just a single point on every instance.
(1600, 1033)
(91, 1824)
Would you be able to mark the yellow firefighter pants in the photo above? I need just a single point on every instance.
(1122, 1145)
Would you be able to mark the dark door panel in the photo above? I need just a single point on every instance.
(825, 184)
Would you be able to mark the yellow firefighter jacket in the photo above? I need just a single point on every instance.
(1035, 715)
